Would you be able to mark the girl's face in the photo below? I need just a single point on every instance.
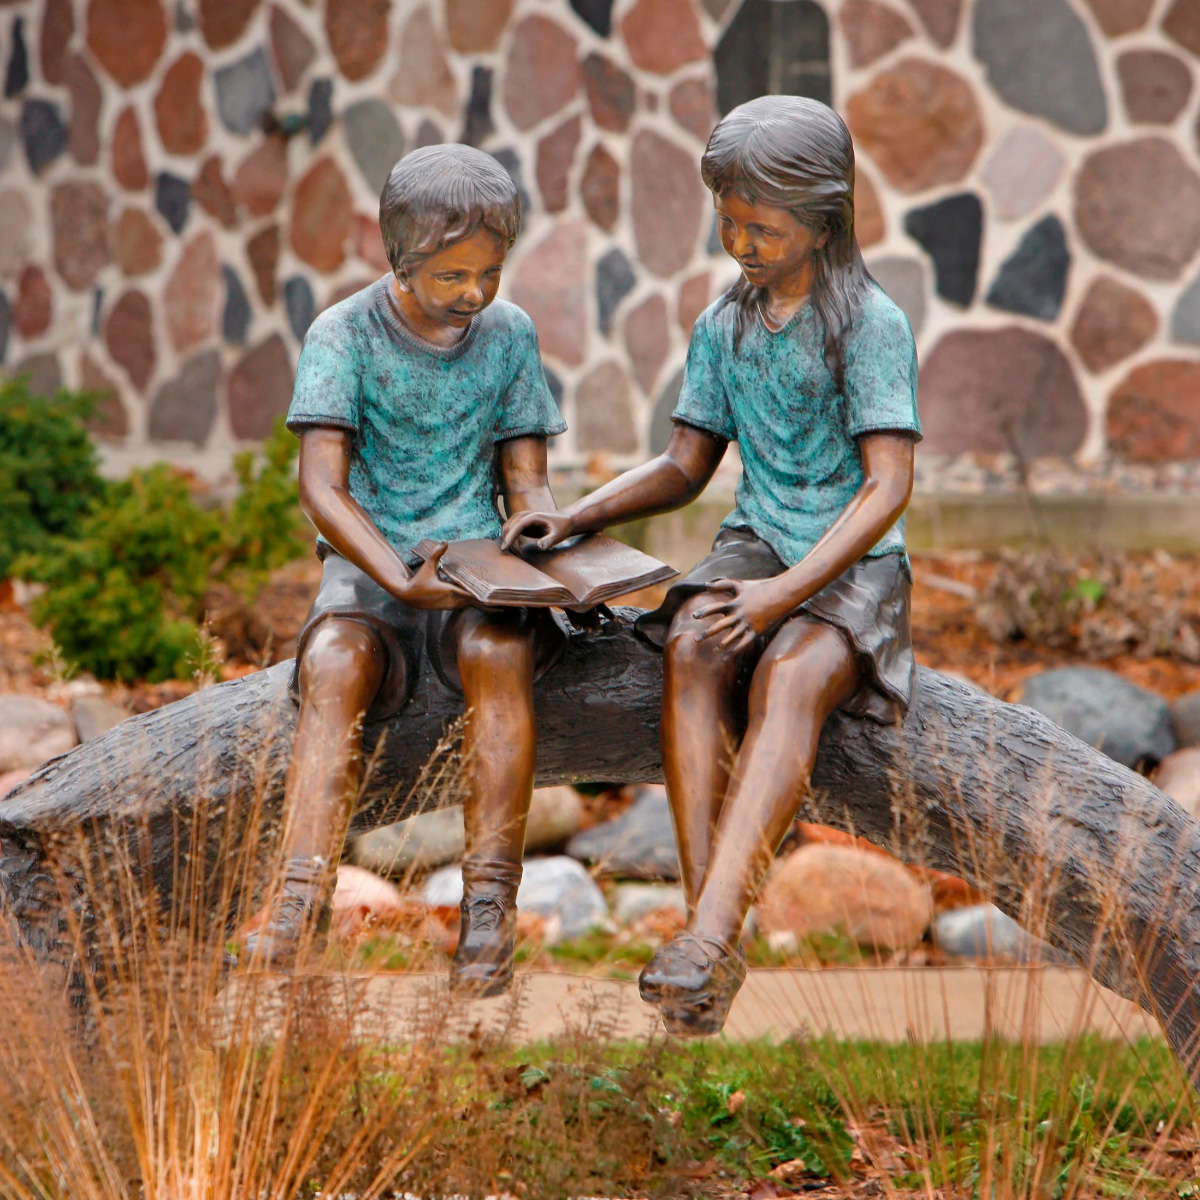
(771, 245)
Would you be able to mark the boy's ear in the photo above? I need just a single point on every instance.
(402, 280)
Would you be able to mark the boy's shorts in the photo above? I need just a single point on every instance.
(412, 638)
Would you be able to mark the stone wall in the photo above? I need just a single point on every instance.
(184, 185)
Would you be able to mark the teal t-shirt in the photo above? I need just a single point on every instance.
(425, 420)
(776, 397)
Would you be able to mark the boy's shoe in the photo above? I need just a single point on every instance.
(299, 914)
(487, 939)
(694, 980)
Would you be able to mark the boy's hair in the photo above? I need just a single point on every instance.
(437, 196)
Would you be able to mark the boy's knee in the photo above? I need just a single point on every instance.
(494, 645)
(682, 649)
(337, 655)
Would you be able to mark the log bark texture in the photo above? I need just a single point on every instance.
(1084, 852)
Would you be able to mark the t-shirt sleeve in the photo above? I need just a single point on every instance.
(328, 388)
(703, 401)
(881, 372)
(528, 408)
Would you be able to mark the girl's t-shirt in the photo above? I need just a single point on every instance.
(797, 433)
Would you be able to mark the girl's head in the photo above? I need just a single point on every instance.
(794, 155)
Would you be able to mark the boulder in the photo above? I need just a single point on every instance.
(31, 731)
(633, 901)
(1185, 719)
(1179, 776)
(639, 844)
(983, 932)
(361, 900)
(1124, 721)
(94, 715)
(555, 814)
(10, 779)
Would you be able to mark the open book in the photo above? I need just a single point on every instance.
(582, 572)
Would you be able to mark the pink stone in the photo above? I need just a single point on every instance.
(347, 290)
(128, 162)
(79, 218)
(1153, 415)
(551, 286)
(647, 339)
(262, 251)
(605, 415)
(262, 176)
(190, 297)
(1156, 85)
(423, 76)
(178, 109)
(137, 243)
(16, 219)
(108, 419)
(940, 18)
(663, 35)
(260, 389)
(555, 157)
(34, 303)
(1022, 171)
(871, 30)
(1182, 24)
(58, 24)
(322, 216)
(126, 37)
(601, 188)
(1113, 322)
(86, 103)
(129, 336)
(358, 34)
(368, 243)
(693, 107)
(291, 48)
(542, 75)
(1118, 17)
(693, 300)
(475, 26)
(869, 224)
(611, 93)
(213, 194)
(669, 202)
(224, 21)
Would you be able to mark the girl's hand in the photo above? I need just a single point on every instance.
(753, 608)
(549, 528)
(425, 588)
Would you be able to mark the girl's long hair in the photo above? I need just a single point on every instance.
(795, 153)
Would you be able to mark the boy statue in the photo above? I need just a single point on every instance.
(411, 397)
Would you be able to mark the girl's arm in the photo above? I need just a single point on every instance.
(671, 480)
(755, 607)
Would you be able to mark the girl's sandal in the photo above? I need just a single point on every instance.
(694, 980)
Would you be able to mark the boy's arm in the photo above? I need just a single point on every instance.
(523, 476)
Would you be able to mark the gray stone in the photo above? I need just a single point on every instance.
(375, 140)
(556, 889)
(8, 139)
(185, 407)
(639, 844)
(951, 230)
(5, 324)
(173, 199)
(300, 304)
(320, 109)
(1124, 721)
(478, 124)
(661, 424)
(904, 280)
(595, 13)
(771, 48)
(1033, 279)
(45, 374)
(1039, 58)
(510, 160)
(632, 901)
(428, 134)
(1185, 318)
(44, 133)
(418, 843)
(31, 731)
(1021, 172)
(244, 92)
(94, 715)
(235, 316)
(1185, 719)
(16, 76)
(615, 279)
(983, 932)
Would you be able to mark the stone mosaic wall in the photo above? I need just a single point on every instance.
(184, 185)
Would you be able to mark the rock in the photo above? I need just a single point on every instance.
(1033, 280)
(213, 194)
(261, 177)
(93, 715)
(16, 76)
(555, 814)
(126, 37)
(224, 21)
(291, 48)
(361, 898)
(639, 844)
(904, 281)
(1113, 322)
(984, 933)
(693, 107)
(551, 286)
(178, 108)
(557, 889)
(615, 279)
(86, 105)
(633, 901)
(1182, 24)
(44, 133)
(185, 408)
(10, 779)
(136, 242)
(1185, 317)
(871, 30)
(79, 219)
(770, 48)
(475, 26)
(596, 14)
(244, 92)
(869, 223)
(605, 415)
(8, 141)
(601, 188)
(1119, 214)
(418, 843)
(1039, 59)
(322, 216)
(555, 158)
(920, 123)
(985, 391)
(320, 109)
(1022, 172)
(542, 75)
(191, 294)
(647, 338)
(128, 162)
(260, 389)
(173, 199)
(32, 731)
(478, 125)
(694, 296)
(129, 336)
(940, 18)
(1185, 719)
(423, 77)
(263, 252)
(16, 219)
(300, 305)
(428, 134)
(236, 315)
(1117, 17)
(1152, 414)
(34, 303)
(1156, 86)
(661, 425)
(368, 243)
(1124, 721)
(663, 35)
(374, 138)
(820, 889)
(669, 203)
(58, 26)
(358, 34)
(951, 231)
(611, 93)
(1179, 776)
(45, 374)
(108, 419)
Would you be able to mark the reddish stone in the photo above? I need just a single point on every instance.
(921, 123)
(368, 243)
(692, 105)
(128, 162)
(190, 297)
(126, 37)
(555, 157)
(260, 389)
(1156, 85)
(601, 188)
(999, 391)
(129, 336)
(475, 26)
(423, 76)
(347, 290)
(1120, 212)
(45, 374)
(262, 177)
(940, 18)
(693, 300)
(869, 223)
(1113, 322)
(79, 218)
(551, 286)
(358, 34)
(137, 243)
(322, 216)
(1182, 24)
(605, 414)
(86, 101)
(108, 418)
(1117, 17)
(182, 123)
(669, 203)
(611, 93)
(542, 75)
(16, 219)
(58, 24)
(663, 35)
(1153, 415)
(871, 30)
(224, 21)
(263, 252)
(647, 338)
(291, 47)
(34, 303)
(213, 194)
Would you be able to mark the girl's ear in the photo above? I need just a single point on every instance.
(823, 240)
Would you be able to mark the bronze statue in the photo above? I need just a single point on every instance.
(803, 605)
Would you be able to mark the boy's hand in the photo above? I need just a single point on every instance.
(425, 588)
(753, 608)
(549, 528)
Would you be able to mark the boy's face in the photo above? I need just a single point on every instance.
(770, 244)
(453, 285)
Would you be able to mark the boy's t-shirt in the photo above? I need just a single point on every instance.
(776, 397)
(425, 419)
